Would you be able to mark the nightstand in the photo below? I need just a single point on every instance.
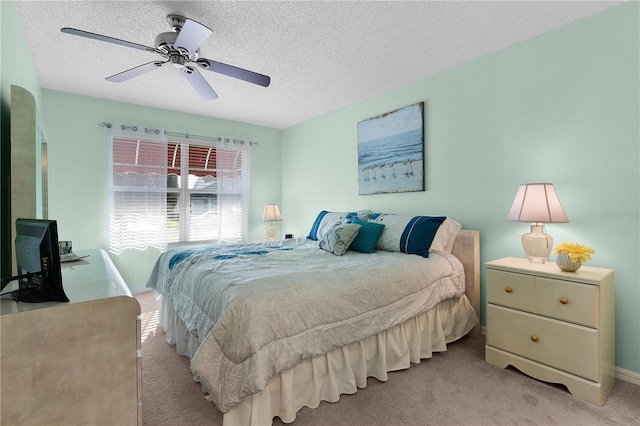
(556, 326)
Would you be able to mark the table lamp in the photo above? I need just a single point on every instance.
(271, 213)
(537, 203)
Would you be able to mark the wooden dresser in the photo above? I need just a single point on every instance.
(77, 362)
(555, 326)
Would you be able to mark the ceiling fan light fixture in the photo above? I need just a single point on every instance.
(177, 60)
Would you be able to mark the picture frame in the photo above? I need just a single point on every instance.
(391, 152)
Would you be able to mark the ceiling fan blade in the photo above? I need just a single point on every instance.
(108, 39)
(134, 72)
(235, 72)
(192, 35)
(199, 83)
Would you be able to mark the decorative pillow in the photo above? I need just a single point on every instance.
(367, 237)
(407, 234)
(446, 236)
(327, 219)
(338, 238)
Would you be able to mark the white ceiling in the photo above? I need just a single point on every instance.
(320, 55)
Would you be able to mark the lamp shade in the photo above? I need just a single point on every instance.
(271, 213)
(537, 203)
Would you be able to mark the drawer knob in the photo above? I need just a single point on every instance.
(508, 289)
(534, 338)
(564, 300)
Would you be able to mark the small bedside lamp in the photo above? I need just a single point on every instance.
(271, 214)
(537, 203)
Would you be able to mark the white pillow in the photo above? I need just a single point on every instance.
(446, 236)
(327, 219)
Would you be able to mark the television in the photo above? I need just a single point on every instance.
(38, 260)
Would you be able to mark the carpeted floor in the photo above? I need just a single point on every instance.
(452, 388)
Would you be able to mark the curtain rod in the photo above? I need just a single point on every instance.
(181, 135)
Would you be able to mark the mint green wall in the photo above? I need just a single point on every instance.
(78, 168)
(562, 108)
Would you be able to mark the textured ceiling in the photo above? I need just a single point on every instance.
(320, 55)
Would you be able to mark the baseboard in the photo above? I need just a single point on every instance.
(628, 376)
(621, 373)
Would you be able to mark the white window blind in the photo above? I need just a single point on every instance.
(207, 194)
(137, 190)
(168, 190)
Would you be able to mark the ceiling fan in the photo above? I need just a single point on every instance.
(180, 48)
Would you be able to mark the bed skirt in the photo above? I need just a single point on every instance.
(343, 370)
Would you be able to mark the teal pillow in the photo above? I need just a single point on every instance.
(367, 237)
(338, 238)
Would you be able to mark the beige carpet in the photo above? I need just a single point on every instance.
(452, 388)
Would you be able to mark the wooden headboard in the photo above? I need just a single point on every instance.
(467, 249)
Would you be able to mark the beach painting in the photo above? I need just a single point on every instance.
(391, 152)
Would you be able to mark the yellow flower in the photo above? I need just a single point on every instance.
(575, 251)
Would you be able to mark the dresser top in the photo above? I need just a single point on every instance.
(91, 278)
(586, 274)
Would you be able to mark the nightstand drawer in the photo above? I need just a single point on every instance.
(568, 301)
(561, 345)
(513, 290)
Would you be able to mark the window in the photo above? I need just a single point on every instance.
(205, 192)
(175, 190)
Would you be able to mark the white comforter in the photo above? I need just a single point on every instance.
(258, 309)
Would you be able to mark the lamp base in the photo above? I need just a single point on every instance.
(537, 244)
(271, 232)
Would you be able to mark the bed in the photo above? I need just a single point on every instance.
(293, 323)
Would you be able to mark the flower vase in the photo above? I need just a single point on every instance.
(565, 263)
